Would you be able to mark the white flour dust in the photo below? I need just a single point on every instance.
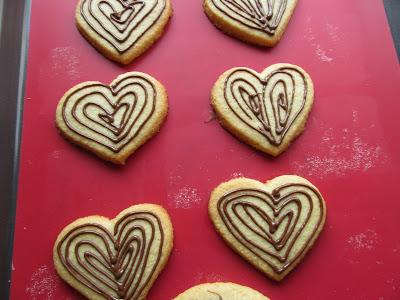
(333, 31)
(393, 284)
(66, 60)
(366, 240)
(360, 156)
(56, 154)
(186, 197)
(237, 175)
(175, 177)
(42, 284)
(344, 151)
(321, 53)
(212, 277)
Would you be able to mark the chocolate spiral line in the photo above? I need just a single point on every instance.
(216, 294)
(257, 101)
(254, 12)
(276, 201)
(109, 118)
(127, 6)
(273, 225)
(116, 17)
(276, 244)
(106, 270)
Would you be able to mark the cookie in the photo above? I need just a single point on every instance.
(254, 21)
(220, 291)
(266, 110)
(115, 259)
(113, 120)
(122, 29)
(271, 225)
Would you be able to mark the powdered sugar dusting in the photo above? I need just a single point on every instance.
(66, 60)
(186, 197)
(42, 284)
(363, 241)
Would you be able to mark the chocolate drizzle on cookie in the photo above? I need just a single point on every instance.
(272, 225)
(216, 294)
(267, 105)
(111, 116)
(119, 264)
(259, 15)
(117, 21)
(132, 7)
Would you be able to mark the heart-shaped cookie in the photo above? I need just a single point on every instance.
(122, 29)
(271, 225)
(113, 120)
(115, 259)
(261, 22)
(220, 291)
(266, 110)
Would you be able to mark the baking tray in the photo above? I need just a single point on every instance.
(14, 28)
(349, 150)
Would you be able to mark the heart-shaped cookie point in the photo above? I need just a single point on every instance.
(266, 110)
(115, 259)
(113, 121)
(271, 225)
(122, 29)
(260, 22)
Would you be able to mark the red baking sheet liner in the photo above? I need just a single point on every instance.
(350, 150)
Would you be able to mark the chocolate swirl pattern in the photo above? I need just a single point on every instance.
(113, 121)
(117, 261)
(259, 15)
(121, 22)
(266, 110)
(220, 291)
(111, 116)
(276, 226)
(216, 295)
(267, 105)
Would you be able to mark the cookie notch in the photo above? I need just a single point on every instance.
(115, 259)
(262, 23)
(271, 225)
(113, 121)
(266, 110)
(122, 30)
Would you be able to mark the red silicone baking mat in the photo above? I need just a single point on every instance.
(350, 150)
